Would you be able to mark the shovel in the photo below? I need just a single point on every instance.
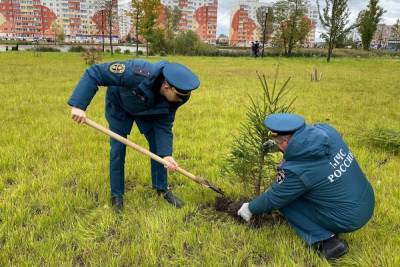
(153, 156)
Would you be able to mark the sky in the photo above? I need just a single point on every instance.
(391, 6)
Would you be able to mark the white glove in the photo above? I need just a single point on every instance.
(245, 212)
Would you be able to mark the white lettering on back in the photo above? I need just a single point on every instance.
(340, 163)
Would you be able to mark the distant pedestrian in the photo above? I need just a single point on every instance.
(256, 49)
(253, 51)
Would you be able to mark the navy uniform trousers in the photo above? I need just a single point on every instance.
(118, 151)
(312, 226)
(302, 216)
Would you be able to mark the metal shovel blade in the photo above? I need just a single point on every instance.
(210, 185)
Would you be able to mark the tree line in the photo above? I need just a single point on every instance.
(285, 25)
(158, 28)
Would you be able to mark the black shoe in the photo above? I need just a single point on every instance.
(171, 199)
(117, 204)
(332, 248)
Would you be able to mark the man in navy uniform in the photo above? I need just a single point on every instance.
(319, 188)
(145, 93)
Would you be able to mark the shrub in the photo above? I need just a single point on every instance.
(92, 56)
(14, 42)
(76, 49)
(44, 49)
(117, 51)
(158, 42)
(388, 139)
(188, 43)
(127, 52)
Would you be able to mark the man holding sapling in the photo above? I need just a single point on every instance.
(319, 188)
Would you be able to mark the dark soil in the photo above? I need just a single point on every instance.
(231, 207)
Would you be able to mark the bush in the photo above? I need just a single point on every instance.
(388, 139)
(77, 49)
(140, 53)
(44, 49)
(163, 54)
(14, 42)
(117, 51)
(228, 53)
(127, 52)
(188, 43)
(158, 42)
(92, 56)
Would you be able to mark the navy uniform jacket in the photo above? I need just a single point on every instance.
(133, 90)
(319, 167)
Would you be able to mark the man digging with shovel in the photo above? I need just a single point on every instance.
(145, 93)
(319, 188)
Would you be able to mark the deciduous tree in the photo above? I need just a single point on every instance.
(111, 9)
(334, 18)
(58, 29)
(137, 15)
(151, 11)
(265, 19)
(292, 23)
(396, 30)
(368, 21)
(173, 16)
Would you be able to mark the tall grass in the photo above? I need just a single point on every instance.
(54, 188)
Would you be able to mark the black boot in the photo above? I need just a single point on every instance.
(170, 198)
(117, 204)
(332, 248)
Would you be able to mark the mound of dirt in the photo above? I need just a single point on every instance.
(231, 207)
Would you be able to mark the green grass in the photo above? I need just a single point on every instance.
(54, 187)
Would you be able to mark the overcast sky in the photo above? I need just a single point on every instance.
(391, 6)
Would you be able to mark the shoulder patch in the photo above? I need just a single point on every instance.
(117, 68)
(280, 176)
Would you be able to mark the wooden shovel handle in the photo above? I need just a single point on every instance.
(141, 150)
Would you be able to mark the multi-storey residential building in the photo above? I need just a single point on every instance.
(125, 21)
(245, 27)
(313, 15)
(199, 16)
(381, 36)
(25, 19)
(244, 23)
(81, 20)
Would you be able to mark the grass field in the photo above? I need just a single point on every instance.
(54, 187)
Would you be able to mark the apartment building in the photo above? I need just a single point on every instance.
(125, 21)
(25, 19)
(244, 27)
(199, 16)
(381, 37)
(81, 20)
